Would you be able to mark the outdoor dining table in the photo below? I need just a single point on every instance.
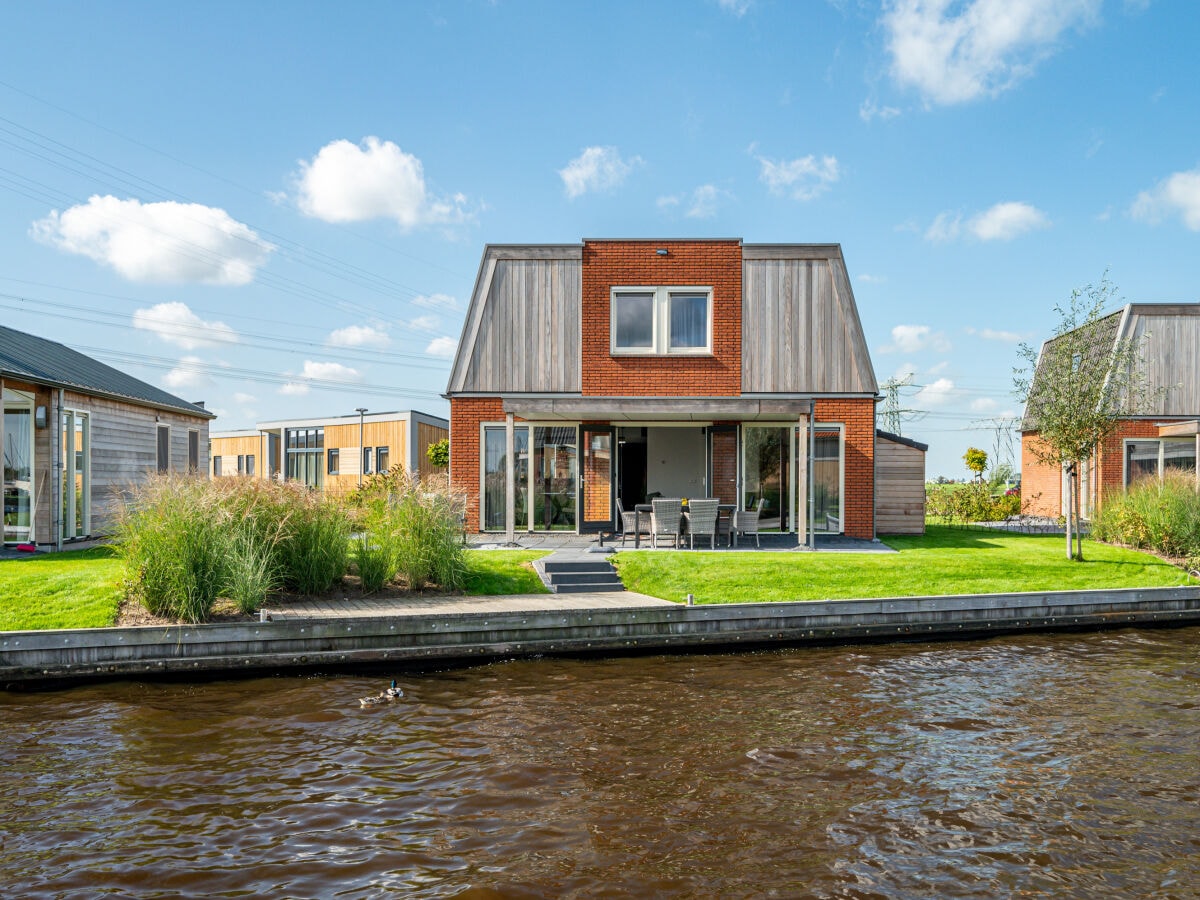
(725, 510)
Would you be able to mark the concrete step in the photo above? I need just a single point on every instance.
(587, 588)
(576, 565)
(583, 577)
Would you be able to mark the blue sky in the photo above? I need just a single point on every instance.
(280, 208)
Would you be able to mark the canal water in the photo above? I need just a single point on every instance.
(1053, 765)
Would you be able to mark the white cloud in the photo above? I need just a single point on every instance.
(175, 323)
(1001, 222)
(945, 227)
(957, 52)
(1178, 194)
(703, 201)
(936, 393)
(983, 404)
(991, 334)
(424, 323)
(157, 242)
(803, 178)
(243, 398)
(905, 370)
(596, 169)
(1005, 221)
(188, 374)
(737, 7)
(436, 301)
(294, 389)
(443, 346)
(348, 182)
(867, 278)
(916, 338)
(329, 371)
(868, 111)
(358, 336)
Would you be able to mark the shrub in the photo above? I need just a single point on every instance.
(419, 521)
(252, 573)
(971, 502)
(1161, 515)
(174, 539)
(314, 548)
(375, 563)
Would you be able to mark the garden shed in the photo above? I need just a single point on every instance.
(899, 484)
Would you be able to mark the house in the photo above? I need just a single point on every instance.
(73, 426)
(1156, 436)
(608, 371)
(331, 453)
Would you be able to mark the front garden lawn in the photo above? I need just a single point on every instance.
(82, 588)
(72, 589)
(942, 561)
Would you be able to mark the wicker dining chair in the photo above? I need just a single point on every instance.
(745, 521)
(702, 520)
(666, 515)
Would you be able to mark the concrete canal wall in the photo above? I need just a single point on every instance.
(32, 656)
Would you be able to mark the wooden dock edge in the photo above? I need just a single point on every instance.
(27, 657)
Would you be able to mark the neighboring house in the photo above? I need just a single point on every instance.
(330, 453)
(609, 371)
(76, 428)
(1158, 436)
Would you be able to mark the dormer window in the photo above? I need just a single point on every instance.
(661, 321)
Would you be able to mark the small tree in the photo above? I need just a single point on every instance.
(438, 453)
(1077, 389)
(976, 461)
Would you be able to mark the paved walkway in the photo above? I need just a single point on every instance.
(380, 607)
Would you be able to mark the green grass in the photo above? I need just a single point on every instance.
(942, 561)
(503, 572)
(74, 589)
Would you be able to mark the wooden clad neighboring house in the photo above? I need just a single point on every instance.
(899, 484)
(331, 453)
(590, 377)
(74, 427)
(1158, 436)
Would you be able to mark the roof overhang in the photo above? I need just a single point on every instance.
(1179, 429)
(657, 409)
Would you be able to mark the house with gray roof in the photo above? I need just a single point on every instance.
(77, 434)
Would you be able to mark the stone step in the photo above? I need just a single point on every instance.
(576, 565)
(608, 575)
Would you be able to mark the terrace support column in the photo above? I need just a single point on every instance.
(804, 500)
(510, 480)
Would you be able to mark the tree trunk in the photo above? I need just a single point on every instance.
(1078, 515)
(1069, 505)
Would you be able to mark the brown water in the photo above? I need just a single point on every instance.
(1064, 765)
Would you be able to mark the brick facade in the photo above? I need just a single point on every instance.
(715, 264)
(1041, 485)
(466, 413)
(858, 419)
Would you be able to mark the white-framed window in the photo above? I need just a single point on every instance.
(1152, 457)
(661, 321)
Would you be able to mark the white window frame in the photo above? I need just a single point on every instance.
(661, 321)
(69, 416)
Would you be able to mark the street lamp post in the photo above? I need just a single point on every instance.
(361, 411)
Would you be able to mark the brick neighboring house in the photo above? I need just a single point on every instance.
(1160, 436)
(595, 374)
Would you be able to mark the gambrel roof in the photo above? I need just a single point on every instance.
(801, 334)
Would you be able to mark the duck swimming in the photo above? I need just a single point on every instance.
(392, 693)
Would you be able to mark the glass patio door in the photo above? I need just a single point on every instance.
(767, 474)
(599, 476)
(19, 500)
(76, 474)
